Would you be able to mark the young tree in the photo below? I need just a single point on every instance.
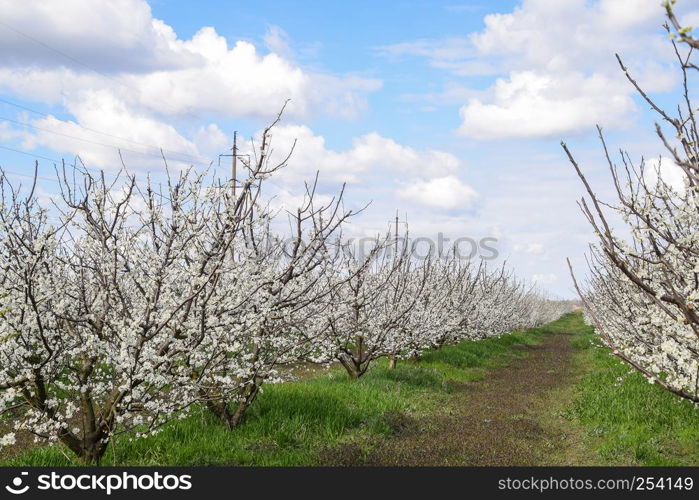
(643, 291)
(261, 317)
(433, 284)
(368, 306)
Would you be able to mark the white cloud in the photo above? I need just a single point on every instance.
(530, 104)
(8, 133)
(667, 170)
(529, 248)
(149, 67)
(138, 135)
(563, 76)
(286, 200)
(544, 278)
(576, 34)
(278, 41)
(112, 36)
(211, 140)
(557, 65)
(441, 192)
(370, 156)
(117, 70)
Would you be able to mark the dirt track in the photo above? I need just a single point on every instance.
(510, 417)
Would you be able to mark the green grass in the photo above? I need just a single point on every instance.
(295, 423)
(625, 422)
(628, 420)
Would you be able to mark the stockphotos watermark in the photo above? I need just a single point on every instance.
(100, 483)
(464, 248)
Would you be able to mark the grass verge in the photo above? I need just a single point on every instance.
(627, 420)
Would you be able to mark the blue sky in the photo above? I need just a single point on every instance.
(449, 112)
(346, 38)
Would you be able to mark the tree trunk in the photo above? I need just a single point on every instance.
(221, 408)
(243, 405)
(89, 450)
(354, 367)
(392, 361)
(93, 454)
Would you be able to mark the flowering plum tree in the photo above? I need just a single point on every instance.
(140, 301)
(261, 316)
(93, 304)
(123, 304)
(643, 291)
(369, 307)
(398, 306)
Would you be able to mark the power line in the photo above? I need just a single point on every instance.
(39, 157)
(87, 66)
(27, 176)
(52, 49)
(97, 143)
(26, 108)
(75, 60)
(31, 154)
(54, 160)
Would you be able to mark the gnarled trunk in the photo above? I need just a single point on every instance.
(90, 449)
(222, 408)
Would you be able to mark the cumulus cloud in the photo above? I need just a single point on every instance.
(441, 192)
(128, 82)
(558, 73)
(531, 104)
(559, 82)
(111, 36)
(576, 34)
(370, 156)
(118, 45)
(104, 125)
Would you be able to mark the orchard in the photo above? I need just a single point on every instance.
(142, 301)
(129, 304)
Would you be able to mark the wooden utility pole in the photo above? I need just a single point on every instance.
(396, 235)
(234, 159)
(396, 221)
(393, 358)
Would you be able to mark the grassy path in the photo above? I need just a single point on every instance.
(506, 418)
(565, 401)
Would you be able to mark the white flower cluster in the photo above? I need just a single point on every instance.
(144, 301)
(391, 305)
(642, 294)
(7, 439)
